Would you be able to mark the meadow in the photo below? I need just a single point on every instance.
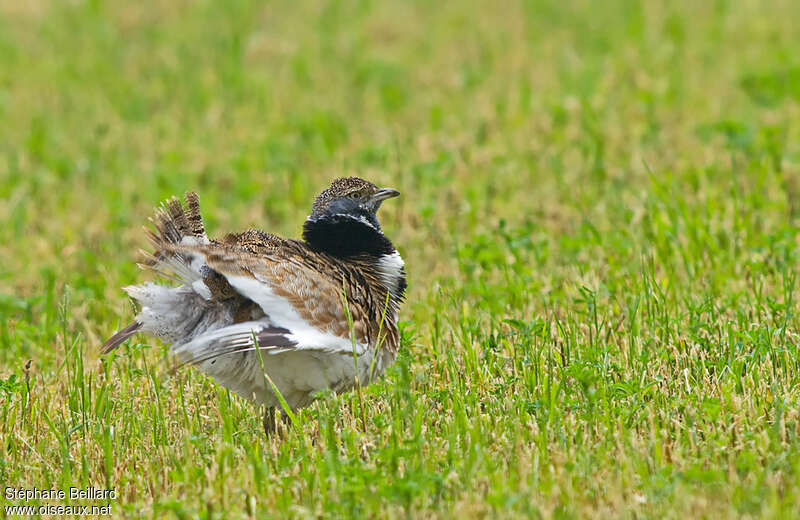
(599, 219)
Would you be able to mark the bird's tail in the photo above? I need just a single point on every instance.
(175, 224)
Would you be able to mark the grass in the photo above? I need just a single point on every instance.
(599, 220)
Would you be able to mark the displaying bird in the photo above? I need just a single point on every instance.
(322, 311)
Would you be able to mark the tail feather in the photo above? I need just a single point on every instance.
(193, 214)
(175, 223)
(118, 338)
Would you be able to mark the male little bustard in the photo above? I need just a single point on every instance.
(322, 311)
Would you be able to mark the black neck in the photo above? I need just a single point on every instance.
(345, 236)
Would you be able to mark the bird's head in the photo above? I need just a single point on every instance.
(351, 197)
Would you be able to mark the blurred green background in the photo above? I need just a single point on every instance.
(598, 218)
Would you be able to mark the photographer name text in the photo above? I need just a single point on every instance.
(73, 493)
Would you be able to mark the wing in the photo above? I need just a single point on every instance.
(240, 337)
(310, 302)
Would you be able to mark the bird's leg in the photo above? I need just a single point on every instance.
(270, 424)
(269, 421)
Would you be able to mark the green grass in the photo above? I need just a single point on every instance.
(599, 220)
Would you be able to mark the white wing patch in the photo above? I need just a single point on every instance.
(282, 314)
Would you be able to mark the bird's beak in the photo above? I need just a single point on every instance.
(383, 194)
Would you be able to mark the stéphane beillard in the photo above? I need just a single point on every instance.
(73, 493)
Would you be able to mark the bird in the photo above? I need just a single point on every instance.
(276, 319)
